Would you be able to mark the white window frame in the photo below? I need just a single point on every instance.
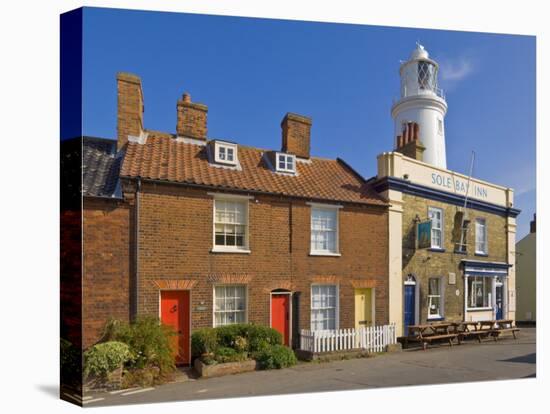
(286, 157)
(480, 220)
(336, 305)
(214, 302)
(232, 198)
(326, 207)
(439, 295)
(488, 292)
(226, 147)
(441, 229)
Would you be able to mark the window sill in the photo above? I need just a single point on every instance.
(479, 309)
(481, 254)
(325, 254)
(436, 249)
(226, 250)
(459, 252)
(435, 318)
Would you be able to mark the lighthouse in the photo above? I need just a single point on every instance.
(423, 103)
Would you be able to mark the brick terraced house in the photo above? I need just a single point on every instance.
(206, 232)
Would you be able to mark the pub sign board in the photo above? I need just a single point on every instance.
(423, 234)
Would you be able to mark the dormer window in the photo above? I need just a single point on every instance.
(286, 163)
(225, 153)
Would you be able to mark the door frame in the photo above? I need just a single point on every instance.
(372, 304)
(190, 313)
(411, 280)
(289, 293)
(499, 284)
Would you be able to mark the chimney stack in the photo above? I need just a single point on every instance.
(191, 118)
(408, 143)
(129, 107)
(533, 224)
(296, 134)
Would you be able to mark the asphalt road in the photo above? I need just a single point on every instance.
(505, 359)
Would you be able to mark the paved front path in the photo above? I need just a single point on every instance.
(505, 359)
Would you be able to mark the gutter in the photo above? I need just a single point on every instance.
(382, 205)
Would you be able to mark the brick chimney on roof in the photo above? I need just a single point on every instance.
(296, 131)
(192, 116)
(130, 107)
(533, 224)
(408, 143)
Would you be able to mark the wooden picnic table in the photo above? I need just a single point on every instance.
(464, 326)
(470, 329)
(499, 326)
(426, 333)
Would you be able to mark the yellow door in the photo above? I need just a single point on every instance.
(363, 307)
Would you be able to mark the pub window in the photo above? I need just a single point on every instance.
(434, 298)
(481, 236)
(479, 292)
(436, 216)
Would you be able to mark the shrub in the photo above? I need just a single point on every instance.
(204, 341)
(71, 363)
(261, 337)
(224, 354)
(150, 343)
(276, 356)
(103, 358)
(227, 334)
(242, 338)
(241, 344)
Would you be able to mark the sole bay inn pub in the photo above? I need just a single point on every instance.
(452, 237)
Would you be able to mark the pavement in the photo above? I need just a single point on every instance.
(506, 359)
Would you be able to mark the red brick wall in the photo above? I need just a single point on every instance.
(175, 239)
(71, 276)
(106, 265)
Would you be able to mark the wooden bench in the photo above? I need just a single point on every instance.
(430, 338)
(428, 333)
(474, 334)
(497, 332)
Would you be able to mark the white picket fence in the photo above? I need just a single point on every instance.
(371, 339)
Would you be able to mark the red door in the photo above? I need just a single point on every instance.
(174, 312)
(280, 315)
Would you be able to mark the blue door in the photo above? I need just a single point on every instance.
(409, 306)
(499, 301)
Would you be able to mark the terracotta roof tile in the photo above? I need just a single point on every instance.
(165, 159)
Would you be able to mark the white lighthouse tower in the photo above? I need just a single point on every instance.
(422, 102)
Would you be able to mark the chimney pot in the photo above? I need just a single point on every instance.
(399, 141)
(416, 129)
(186, 97)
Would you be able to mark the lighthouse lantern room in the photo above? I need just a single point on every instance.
(422, 102)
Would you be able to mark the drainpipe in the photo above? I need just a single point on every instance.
(136, 252)
(465, 296)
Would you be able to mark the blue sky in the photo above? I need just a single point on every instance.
(250, 72)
